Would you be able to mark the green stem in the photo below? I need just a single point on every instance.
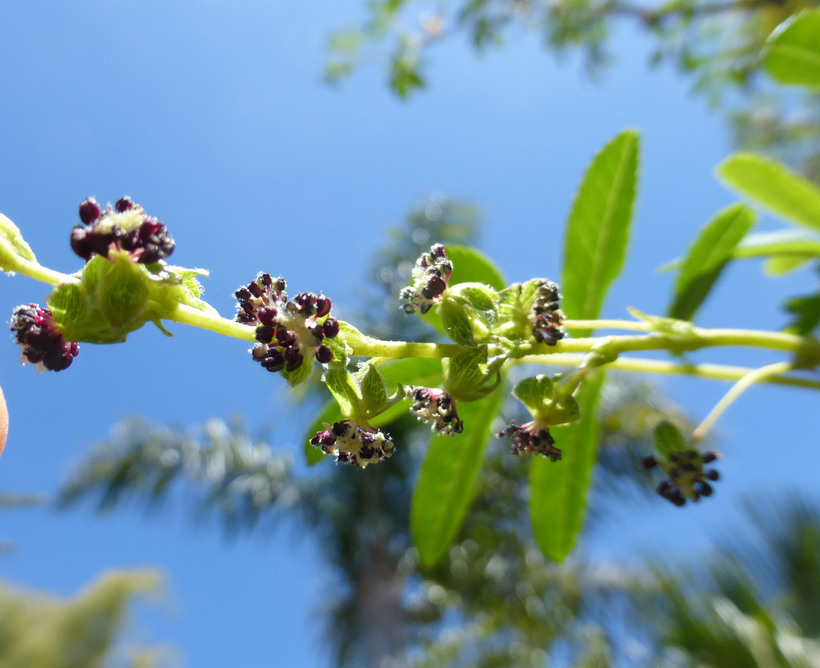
(215, 323)
(369, 347)
(608, 324)
(711, 371)
(734, 393)
(38, 272)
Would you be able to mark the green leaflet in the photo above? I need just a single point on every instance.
(707, 256)
(792, 54)
(772, 186)
(667, 439)
(12, 244)
(558, 490)
(471, 266)
(448, 477)
(598, 227)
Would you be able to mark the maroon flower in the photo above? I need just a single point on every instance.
(546, 317)
(288, 331)
(531, 438)
(126, 227)
(42, 340)
(430, 276)
(354, 443)
(687, 478)
(437, 407)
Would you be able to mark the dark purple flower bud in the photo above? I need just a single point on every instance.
(436, 407)
(709, 457)
(686, 477)
(712, 475)
(316, 330)
(293, 358)
(435, 287)
(89, 210)
(322, 306)
(41, 339)
(123, 204)
(274, 360)
(267, 316)
(429, 279)
(648, 463)
(264, 334)
(324, 354)
(330, 327)
(285, 337)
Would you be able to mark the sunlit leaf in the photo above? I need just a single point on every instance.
(471, 266)
(792, 54)
(773, 186)
(447, 479)
(598, 227)
(706, 258)
(558, 490)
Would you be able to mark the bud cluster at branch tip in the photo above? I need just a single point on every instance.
(42, 340)
(430, 277)
(124, 227)
(433, 405)
(531, 438)
(687, 478)
(546, 317)
(354, 443)
(288, 331)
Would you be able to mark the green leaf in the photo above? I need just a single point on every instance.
(78, 317)
(667, 439)
(456, 321)
(792, 53)
(779, 265)
(807, 313)
(798, 243)
(468, 377)
(478, 298)
(598, 227)
(447, 480)
(471, 266)
(373, 390)
(558, 490)
(706, 258)
(344, 389)
(772, 186)
(533, 392)
(12, 244)
(300, 374)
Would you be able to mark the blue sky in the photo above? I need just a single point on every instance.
(212, 114)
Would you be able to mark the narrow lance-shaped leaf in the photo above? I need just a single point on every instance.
(598, 227)
(773, 186)
(448, 477)
(792, 54)
(558, 490)
(706, 258)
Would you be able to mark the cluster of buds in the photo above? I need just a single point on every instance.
(436, 406)
(124, 227)
(430, 276)
(357, 444)
(288, 331)
(546, 317)
(531, 438)
(687, 478)
(42, 340)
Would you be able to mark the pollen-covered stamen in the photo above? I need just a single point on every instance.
(42, 340)
(687, 478)
(288, 331)
(437, 407)
(354, 443)
(429, 279)
(531, 438)
(126, 227)
(546, 317)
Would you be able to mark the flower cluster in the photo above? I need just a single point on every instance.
(687, 478)
(124, 227)
(42, 341)
(288, 331)
(430, 276)
(546, 317)
(357, 444)
(436, 406)
(531, 438)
